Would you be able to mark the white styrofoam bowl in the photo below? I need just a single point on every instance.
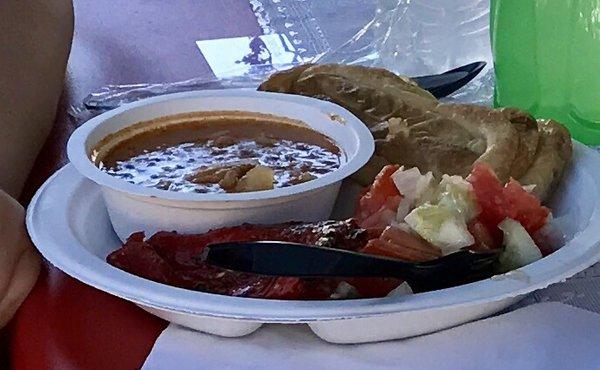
(69, 224)
(134, 208)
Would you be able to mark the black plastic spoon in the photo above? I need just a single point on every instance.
(448, 82)
(300, 260)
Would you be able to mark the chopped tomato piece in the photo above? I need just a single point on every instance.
(525, 207)
(382, 188)
(483, 238)
(498, 202)
(490, 196)
(403, 245)
(381, 247)
(378, 206)
(384, 215)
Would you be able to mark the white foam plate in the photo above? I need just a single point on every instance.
(69, 224)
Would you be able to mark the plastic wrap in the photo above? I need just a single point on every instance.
(407, 37)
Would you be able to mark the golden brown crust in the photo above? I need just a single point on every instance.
(527, 129)
(553, 154)
(368, 76)
(431, 142)
(283, 81)
(372, 94)
(453, 137)
(501, 138)
(411, 128)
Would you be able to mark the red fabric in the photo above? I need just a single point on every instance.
(65, 324)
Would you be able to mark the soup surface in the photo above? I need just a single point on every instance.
(215, 153)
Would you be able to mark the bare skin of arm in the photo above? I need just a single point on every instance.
(35, 40)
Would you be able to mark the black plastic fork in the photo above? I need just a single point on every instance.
(277, 258)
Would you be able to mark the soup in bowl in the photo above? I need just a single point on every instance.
(217, 152)
(194, 161)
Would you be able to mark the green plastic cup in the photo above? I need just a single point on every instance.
(547, 61)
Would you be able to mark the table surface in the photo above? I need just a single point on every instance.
(65, 324)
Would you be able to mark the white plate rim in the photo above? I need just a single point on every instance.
(581, 252)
